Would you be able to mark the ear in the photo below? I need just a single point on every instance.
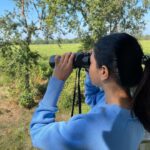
(103, 73)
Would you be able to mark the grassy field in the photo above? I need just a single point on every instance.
(146, 46)
(54, 49)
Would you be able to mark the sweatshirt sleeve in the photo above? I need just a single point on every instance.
(47, 134)
(92, 93)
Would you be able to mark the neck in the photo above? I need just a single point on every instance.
(117, 95)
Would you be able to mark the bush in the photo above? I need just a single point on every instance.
(40, 89)
(26, 100)
(45, 70)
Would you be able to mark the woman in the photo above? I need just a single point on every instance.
(117, 118)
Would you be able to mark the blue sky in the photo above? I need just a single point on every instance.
(9, 5)
(6, 5)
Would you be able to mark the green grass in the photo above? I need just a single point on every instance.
(146, 46)
(54, 49)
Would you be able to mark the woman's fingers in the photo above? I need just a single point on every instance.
(63, 67)
(57, 60)
(66, 59)
(62, 58)
(71, 58)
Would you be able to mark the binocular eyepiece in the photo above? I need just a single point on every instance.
(81, 60)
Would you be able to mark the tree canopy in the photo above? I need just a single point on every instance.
(92, 19)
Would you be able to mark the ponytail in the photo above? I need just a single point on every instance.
(141, 106)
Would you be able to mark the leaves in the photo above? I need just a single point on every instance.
(96, 18)
(16, 33)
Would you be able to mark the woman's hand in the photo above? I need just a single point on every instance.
(63, 66)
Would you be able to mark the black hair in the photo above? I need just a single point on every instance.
(122, 54)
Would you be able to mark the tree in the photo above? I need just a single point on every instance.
(93, 19)
(16, 31)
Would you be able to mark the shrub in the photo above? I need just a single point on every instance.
(26, 99)
(40, 89)
(45, 70)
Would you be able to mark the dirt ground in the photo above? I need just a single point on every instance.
(9, 111)
(15, 121)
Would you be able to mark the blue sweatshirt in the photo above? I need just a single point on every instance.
(104, 127)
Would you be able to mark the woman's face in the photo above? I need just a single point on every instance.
(98, 75)
(93, 70)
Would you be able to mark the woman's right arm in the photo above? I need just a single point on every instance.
(92, 93)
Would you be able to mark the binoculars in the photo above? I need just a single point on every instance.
(81, 60)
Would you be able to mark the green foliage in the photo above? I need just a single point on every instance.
(40, 89)
(18, 64)
(26, 99)
(16, 32)
(45, 70)
(93, 19)
(4, 79)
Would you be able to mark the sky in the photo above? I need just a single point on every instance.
(9, 5)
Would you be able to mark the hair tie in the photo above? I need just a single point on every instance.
(145, 59)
